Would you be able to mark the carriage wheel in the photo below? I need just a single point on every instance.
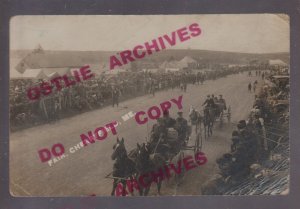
(198, 141)
(221, 119)
(229, 114)
(201, 140)
(196, 133)
(228, 117)
(206, 132)
(178, 177)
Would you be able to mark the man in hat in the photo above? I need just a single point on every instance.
(262, 149)
(209, 102)
(158, 130)
(215, 99)
(169, 122)
(249, 87)
(158, 139)
(181, 126)
(115, 95)
(248, 140)
(235, 140)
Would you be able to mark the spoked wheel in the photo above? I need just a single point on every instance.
(221, 119)
(229, 114)
(198, 140)
(198, 143)
(179, 177)
(206, 130)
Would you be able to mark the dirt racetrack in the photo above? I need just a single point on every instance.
(82, 173)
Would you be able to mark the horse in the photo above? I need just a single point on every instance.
(147, 163)
(208, 121)
(123, 166)
(196, 118)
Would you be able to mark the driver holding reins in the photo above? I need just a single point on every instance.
(209, 102)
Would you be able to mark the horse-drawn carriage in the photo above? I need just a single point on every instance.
(207, 117)
(221, 112)
(150, 157)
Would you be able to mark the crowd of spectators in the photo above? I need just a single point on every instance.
(96, 93)
(255, 142)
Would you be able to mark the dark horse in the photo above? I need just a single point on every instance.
(208, 120)
(147, 163)
(123, 166)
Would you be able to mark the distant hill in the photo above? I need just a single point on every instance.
(219, 56)
(47, 58)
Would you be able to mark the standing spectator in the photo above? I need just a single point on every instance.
(115, 96)
(57, 108)
(255, 85)
(249, 87)
(152, 86)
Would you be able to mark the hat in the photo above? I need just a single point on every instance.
(220, 95)
(180, 113)
(241, 124)
(208, 95)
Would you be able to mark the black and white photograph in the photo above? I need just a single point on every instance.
(149, 105)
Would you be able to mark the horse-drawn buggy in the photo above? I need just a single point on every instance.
(165, 145)
(222, 112)
(206, 118)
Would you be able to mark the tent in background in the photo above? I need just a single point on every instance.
(187, 62)
(34, 74)
(277, 62)
(55, 71)
(53, 75)
(172, 69)
(115, 71)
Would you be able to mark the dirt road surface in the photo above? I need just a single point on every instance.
(82, 173)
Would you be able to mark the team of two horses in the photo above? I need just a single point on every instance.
(142, 160)
(138, 162)
(206, 119)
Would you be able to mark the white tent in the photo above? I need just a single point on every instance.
(115, 71)
(54, 72)
(187, 62)
(171, 64)
(34, 74)
(172, 69)
(188, 59)
(277, 62)
(53, 75)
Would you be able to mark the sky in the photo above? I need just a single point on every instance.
(249, 33)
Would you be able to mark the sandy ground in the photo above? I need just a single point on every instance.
(83, 172)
